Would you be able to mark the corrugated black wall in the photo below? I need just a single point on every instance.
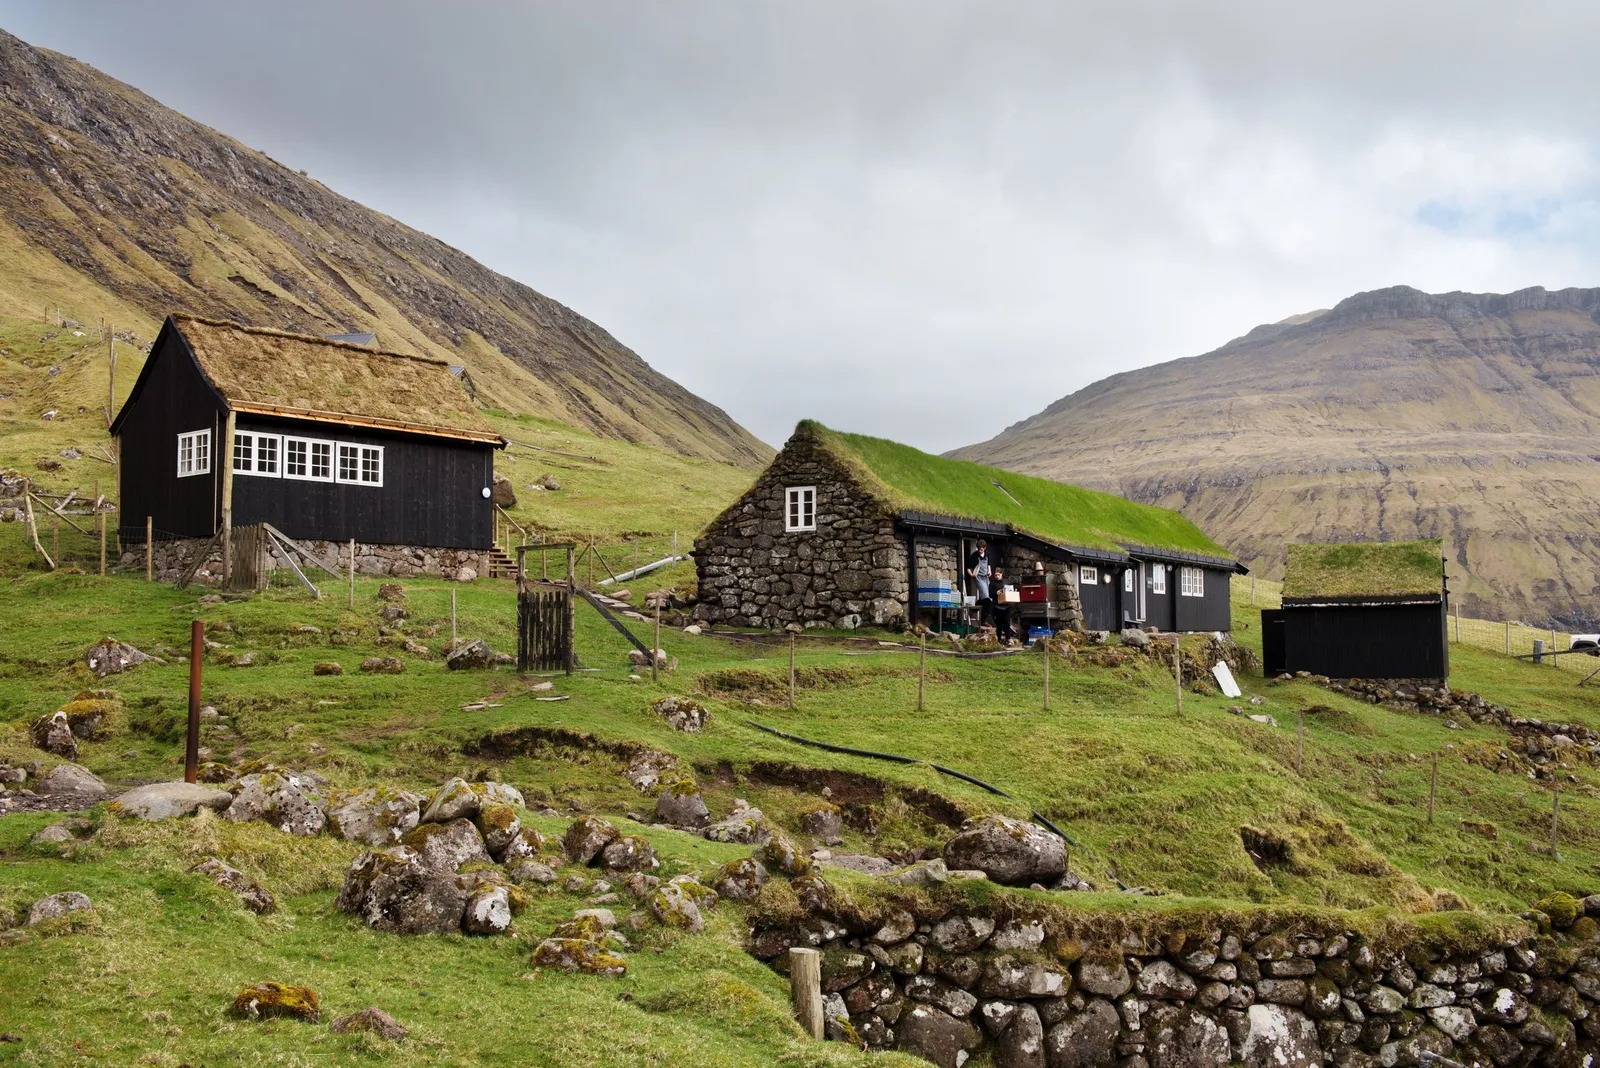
(172, 399)
(432, 492)
(1360, 641)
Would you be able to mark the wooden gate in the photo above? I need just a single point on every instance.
(248, 568)
(544, 627)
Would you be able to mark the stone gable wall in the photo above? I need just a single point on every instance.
(851, 570)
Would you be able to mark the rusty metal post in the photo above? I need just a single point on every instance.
(197, 650)
(149, 548)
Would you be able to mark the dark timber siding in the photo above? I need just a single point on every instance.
(1101, 601)
(432, 492)
(1158, 606)
(173, 399)
(1357, 641)
(1210, 612)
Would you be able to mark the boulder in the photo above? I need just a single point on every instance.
(961, 934)
(740, 880)
(783, 856)
(1280, 1037)
(936, 1036)
(266, 1001)
(1135, 638)
(452, 801)
(288, 802)
(528, 844)
(923, 873)
(503, 493)
(824, 822)
(111, 657)
(169, 800)
(578, 955)
(392, 613)
(58, 833)
(383, 665)
(473, 656)
(447, 846)
(1006, 976)
(72, 779)
(1008, 851)
(549, 482)
(681, 805)
(372, 1021)
(488, 911)
(674, 905)
(586, 837)
(395, 890)
(94, 715)
(1182, 1037)
(681, 713)
(56, 905)
(391, 591)
(745, 827)
(1021, 1044)
(1161, 979)
(628, 853)
(378, 816)
(499, 826)
(54, 735)
(533, 871)
(251, 894)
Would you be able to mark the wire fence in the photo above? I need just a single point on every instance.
(1508, 638)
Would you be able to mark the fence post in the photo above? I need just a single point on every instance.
(1553, 659)
(149, 548)
(1300, 741)
(1555, 818)
(352, 575)
(655, 646)
(191, 749)
(102, 516)
(1457, 611)
(805, 989)
(1177, 671)
(1046, 642)
(55, 536)
(1433, 785)
(1508, 637)
(452, 617)
(1252, 591)
(922, 666)
(791, 669)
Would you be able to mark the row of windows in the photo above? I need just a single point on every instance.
(800, 514)
(283, 456)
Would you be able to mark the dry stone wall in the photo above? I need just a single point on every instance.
(945, 985)
(172, 559)
(850, 571)
(1067, 609)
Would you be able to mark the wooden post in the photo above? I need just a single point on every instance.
(655, 646)
(111, 381)
(1045, 641)
(805, 989)
(1300, 741)
(1252, 591)
(791, 670)
(102, 517)
(591, 564)
(55, 535)
(225, 460)
(191, 751)
(352, 579)
(674, 543)
(922, 666)
(1508, 637)
(1555, 819)
(452, 617)
(149, 548)
(1177, 670)
(1457, 611)
(572, 607)
(1433, 785)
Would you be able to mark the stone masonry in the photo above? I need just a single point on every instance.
(172, 559)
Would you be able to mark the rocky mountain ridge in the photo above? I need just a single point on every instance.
(110, 200)
(1396, 414)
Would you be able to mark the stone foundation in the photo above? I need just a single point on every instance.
(172, 560)
(946, 985)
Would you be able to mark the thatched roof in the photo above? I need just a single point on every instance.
(1365, 569)
(296, 376)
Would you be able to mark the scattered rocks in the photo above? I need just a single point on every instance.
(54, 735)
(1008, 851)
(740, 880)
(325, 668)
(680, 805)
(473, 656)
(378, 816)
(372, 1021)
(289, 802)
(111, 657)
(383, 665)
(681, 713)
(251, 894)
(586, 837)
(266, 1001)
(169, 800)
(72, 779)
(395, 890)
(578, 955)
(57, 905)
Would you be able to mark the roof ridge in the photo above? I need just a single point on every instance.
(270, 331)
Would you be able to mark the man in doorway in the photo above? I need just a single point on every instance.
(980, 570)
(1001, 608)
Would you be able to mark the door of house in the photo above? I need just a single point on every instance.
(1133, 592)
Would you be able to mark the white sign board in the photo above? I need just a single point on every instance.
(1225, 680)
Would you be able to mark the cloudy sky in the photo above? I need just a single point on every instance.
(923, 219)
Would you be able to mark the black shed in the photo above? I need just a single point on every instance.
(1374, 610)
(230, 425)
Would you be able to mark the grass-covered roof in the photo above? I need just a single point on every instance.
(909, 479)
(1365, 569)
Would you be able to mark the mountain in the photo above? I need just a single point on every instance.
(1397, 414)
(113, 206)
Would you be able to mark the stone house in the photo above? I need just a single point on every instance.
(841, 529)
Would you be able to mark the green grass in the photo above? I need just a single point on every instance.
(1364, 569)
(907, 478)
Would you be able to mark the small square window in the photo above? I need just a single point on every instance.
(256, 454)
(1088, 576)
(800, 508)
(361, 464)
(1191, 582)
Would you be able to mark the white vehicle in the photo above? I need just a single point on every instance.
(1585, 643)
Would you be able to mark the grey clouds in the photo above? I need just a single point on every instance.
(919, 220)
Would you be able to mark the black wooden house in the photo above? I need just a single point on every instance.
(1376, 610)
(231, 425)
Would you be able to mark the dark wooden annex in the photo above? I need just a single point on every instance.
(230, 426)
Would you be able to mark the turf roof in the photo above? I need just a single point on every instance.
(295, 375)
(1366, 569)
(909, 479)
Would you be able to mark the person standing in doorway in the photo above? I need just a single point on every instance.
(979, 570)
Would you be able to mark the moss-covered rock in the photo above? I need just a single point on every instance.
(499, 826)
(327, 667)
(371, 1021)
(740, 880)
(447, 846)
(528, 844)
(251, 894)
(587, 927)
(1563, 909)
(95, 715)
(782, 855)
(586, 837)
(578, 955)
(674, 906)
(265, 1001)
(629, 853)
(378, 816)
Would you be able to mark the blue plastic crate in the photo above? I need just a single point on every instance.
(937, 600)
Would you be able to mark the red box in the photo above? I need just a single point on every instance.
(1032, 592)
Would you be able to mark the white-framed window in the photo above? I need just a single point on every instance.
(1088, 576)
(1191, 582)
(1127, 581)
(800, 508)
(194, 453)
(257, 454)
(1158, 579)
(360, 464)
